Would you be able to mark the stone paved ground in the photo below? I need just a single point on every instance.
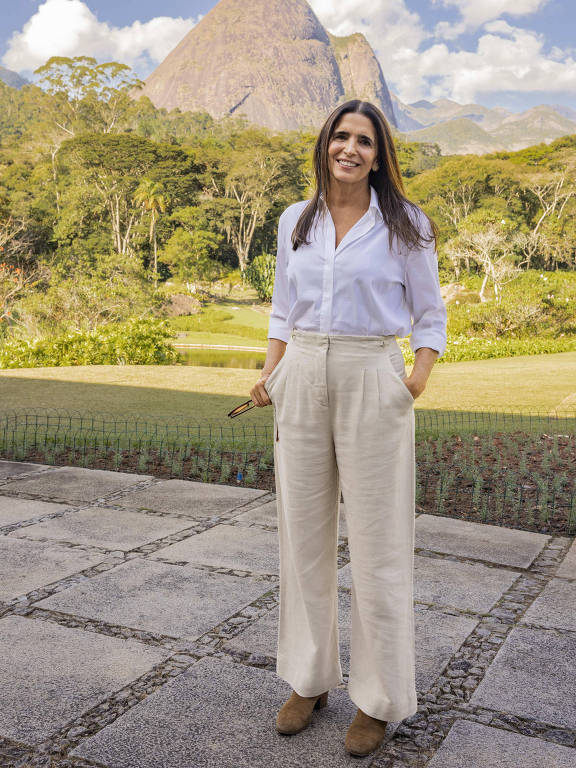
(138, 623)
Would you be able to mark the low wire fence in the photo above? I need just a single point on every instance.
(511, 468)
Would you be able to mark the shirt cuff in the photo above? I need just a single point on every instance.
(428, 338)
(277, 329)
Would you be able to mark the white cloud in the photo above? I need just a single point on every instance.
(506, 58)
(475, 13)
(69, 28)
(347, 16)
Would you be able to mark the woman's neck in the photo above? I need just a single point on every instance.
(342, 195)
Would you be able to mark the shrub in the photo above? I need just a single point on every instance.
(134, 342)
(260, 275)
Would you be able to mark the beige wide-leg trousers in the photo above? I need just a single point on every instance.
(344, 420)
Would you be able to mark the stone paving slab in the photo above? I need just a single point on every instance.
(568, 566)
(174, 600)
(50, 674)
(14, 510)
(227, 546)
(12, 468)
(219, 714)
(262, 636)
(468, 586)
(555, 607)
(187, 497)
(472, 745)
(102, 527)
(438, 636)
(267, 514)
(28, 565)
(492, 543)
(75, 484)
(533, 675)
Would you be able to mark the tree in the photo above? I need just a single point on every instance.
(16, 278)
(150, 195)
(454, 188)
(186, 254)
(113, 166)
(88, 96)
(552, 194)
(488, 246)
(84, 291)
(191, 250)
(259, 170)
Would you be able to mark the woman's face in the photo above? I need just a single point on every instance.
(353, 149)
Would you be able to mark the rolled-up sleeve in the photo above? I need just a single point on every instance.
(278, 327)
(429, 315)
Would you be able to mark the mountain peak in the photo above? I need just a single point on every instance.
(272, 60)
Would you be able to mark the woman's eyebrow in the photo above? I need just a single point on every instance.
(360, 135)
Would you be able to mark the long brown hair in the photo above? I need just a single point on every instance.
(387, 181)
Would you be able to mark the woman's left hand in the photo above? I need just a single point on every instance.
(414, 385)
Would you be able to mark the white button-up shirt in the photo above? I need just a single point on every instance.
(361, 288)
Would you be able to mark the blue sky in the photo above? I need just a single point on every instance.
(509, 53)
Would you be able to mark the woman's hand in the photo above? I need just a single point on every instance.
(414, 385)
(274, 353)
(258, 392)
(424, 359)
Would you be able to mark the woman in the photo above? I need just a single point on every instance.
(356, 266)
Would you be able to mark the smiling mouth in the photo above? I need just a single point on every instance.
(347, 163)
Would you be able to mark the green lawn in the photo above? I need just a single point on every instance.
(537, 383)
(203, 337)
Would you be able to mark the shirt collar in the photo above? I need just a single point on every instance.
(374, 204)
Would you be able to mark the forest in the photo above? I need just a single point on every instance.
(107, 205)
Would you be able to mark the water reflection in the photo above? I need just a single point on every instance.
(223, 358)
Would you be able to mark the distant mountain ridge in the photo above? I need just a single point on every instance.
(474, 129)
(12, 79)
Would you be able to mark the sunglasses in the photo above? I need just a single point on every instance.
(242, 408)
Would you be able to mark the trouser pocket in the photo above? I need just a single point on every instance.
(270, 383)
(396, 370)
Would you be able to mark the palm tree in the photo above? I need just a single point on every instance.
(150, 195)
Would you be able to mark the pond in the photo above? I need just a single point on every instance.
(223, 358)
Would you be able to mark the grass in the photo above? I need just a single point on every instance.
(538, 383)
(245, 310)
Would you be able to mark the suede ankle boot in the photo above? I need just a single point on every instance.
(296, 713)
(365, 734)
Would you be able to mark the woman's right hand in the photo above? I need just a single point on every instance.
(274, 353)
(258, 392)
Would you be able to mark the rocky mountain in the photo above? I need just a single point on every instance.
(12, 79)
(564, 111)
(271, 60)
(474, 129)
(360, 71)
